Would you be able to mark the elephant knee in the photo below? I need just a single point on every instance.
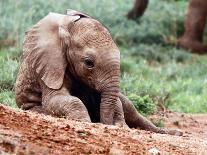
(76, 110)
(74, 104)
(67, 106)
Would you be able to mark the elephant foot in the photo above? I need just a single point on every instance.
(170, 132)
(76, 116)
(194, 45)
(34, 107)
(39, 109)
(136, 120)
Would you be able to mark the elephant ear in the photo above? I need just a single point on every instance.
(45, 47)
(76, 13)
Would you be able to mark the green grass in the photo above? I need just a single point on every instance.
(8, 67)
(150, 63)
(184, 82)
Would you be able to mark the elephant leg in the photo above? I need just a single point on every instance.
(136, 120)
(119, 115)
(60, 103)
(138, 9)
(194, 27)
(39, 109)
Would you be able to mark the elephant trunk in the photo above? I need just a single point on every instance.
(109, 99)
(109, 94)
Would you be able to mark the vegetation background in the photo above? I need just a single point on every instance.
(153, 71)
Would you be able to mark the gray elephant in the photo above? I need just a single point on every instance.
(71, 69)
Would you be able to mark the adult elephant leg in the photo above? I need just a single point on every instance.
(194, 27)
(60, 103)
(138, 9)
(136, 120)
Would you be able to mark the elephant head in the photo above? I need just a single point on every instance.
(82, 45)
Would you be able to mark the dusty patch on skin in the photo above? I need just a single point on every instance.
(27, 133)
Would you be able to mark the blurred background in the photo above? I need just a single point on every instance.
(154, 72)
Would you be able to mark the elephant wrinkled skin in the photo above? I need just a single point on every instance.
(71, 68)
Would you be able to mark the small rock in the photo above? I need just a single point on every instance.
(154, 151)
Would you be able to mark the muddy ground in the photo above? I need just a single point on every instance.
(29, 133)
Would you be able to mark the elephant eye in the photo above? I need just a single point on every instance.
(89, 62)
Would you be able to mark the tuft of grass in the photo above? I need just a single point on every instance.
(143, 104)
(9, 63)
(8, 98)
(8, 66)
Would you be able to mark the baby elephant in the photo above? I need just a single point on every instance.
(71, 69)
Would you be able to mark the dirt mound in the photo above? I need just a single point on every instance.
(30, 133)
